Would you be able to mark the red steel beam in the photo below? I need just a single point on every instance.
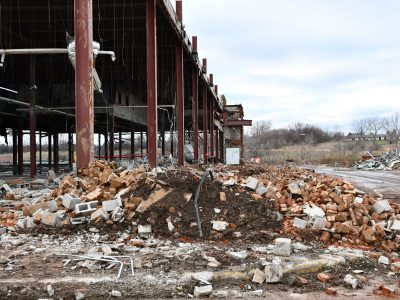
(217, 145)
(133, 140)
(15, 151)
(212, 128)
(180, 119)
(120, 144)
(83, 16)
(195, 107)
(205, 125)
(151, 82)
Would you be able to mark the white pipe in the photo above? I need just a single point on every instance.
(34, 51)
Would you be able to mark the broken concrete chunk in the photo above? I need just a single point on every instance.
(51, 219)
(299, 223)
(100, 213)
(219, 225)
(79, 296)
(144, 231)
(273, 273)
(313, 211)
(171, 226)
(202, 291)
(351, 280)
(238, 255)
(229, 182)
(259, 276)
(282, 247)
(384, 260)
(381, 206)
(294, 188)
(251, 183)
(110, 205)
(51, 176)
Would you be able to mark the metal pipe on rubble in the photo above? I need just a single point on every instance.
(83, 17)
(196, 200)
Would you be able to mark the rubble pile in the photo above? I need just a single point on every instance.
(331, 205)
(103, 192)
(388, 161)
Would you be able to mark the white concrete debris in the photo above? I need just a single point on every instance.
(358, 200)
(116, 294)
(282, 247)
(273, 273)
(70, 201)
(313, 211)
(110, 205)
(351, 280)
(383, 260)
(238, 255)
(79, 296)
(171, 226)
(381, 206)
(144, 231)
(299, 223)
(251, 183)
(259, 276)
(50, 290)
(201, 291)
(295, 188)
(219, 225)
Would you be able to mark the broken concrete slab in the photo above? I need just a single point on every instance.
(259, 276)
(99, 213)
(144, 231)
(219, 225)
(51, 219)
(202, 291)
(273, 273)
(381, 206)
(110, 205)
(251, 183)
(159, 193)
(282, 247)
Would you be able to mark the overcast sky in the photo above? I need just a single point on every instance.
(324, 62)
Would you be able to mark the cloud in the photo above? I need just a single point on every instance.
(322, 62)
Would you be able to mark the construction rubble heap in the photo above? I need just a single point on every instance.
(240, 205)
(388, 161)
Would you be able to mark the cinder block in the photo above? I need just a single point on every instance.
(252, 183)
(110, 205)
(70, 201)
(86, 208)
(52, 206)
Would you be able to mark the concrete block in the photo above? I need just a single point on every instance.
(110, 205)
(282, 247)
(273, 273)
(351, 280)
(70, 201)
(202, 291)
(99, 213)
(395, 225)
(117, 215)
(86, 208)
(144, 231)
(21, 223)
(295, 188)
(219, 225)
(358, 200)
(261, 189)
(51, 219)
(381, 206)
(3, 230)
(383, 260)
(259, 276)
(299, 223)
(78, 221)
(30, 223)
(251, 183)
(53, 207)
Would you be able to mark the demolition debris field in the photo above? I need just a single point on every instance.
(130, 232)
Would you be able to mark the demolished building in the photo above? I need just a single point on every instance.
(149, 83)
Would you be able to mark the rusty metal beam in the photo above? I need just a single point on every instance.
(205, 124)
(217, 145)
(56, 152)
(151, 34)
(15, 151)
(120, 144)
(212, 128)
(20, 147)
(112, 125)
(133, 141)
(83, 16)
(49, 149)
(180, 118)
(195, 106)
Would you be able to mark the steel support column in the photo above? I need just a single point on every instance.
(205, 124)
(83, 16)
(56, 152)
(15, 151)
(49, 149)
(195, 103)
(180, 116)
(20, 148)
(70, 149)
(120, 144)
(221, 139)
(241, 143)
(151, 35)
(132, 142)
(217, 145)
(141, 143)
(212, 128)
(111, 142)
(40, 149)
(99, 143)
(32, 119)
(106, 145)
(163, 142)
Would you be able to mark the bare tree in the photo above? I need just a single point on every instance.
(374, 126)
(360, 127)
(260, 128)
(392, 127)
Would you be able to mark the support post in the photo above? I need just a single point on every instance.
(70, 149)
(83, 16)
(222, 143)
(49, 149)
(195, 107)
(120, 145)
(106, 145)
(151, 34)
(133, 142)
(20, 148)
(112, 138)
(56, 152)
(217, 145)
(32, 118)
(205, 124)
(141, 143)
(99, 143)
(241, 143)
(40, 149)
(180, 117)
(212, 153)
(15, 151)
(163, 142)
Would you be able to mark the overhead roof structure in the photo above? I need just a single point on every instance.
(147, 76)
